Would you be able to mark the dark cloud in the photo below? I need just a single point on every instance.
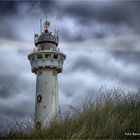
(92, 19)
(12, 13)
(11, 8)
(12, 85)
(67, 36)
(128, 57)
(100, 19)
(17, 89)
(7, 31)
(49, 7)
(9, 86)
(125, 73)
(21, 108)
(8, 8)
(12, 79)
(116, 12)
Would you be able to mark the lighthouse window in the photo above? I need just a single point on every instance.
(33, 58)
(55, 56)
(39, 99)
(38, 125)
(47, 55)
(39, 56)
(61, 58)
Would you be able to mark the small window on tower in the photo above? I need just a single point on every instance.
(61, 58)
(33, 58)
(47, 55)
(39, 99)
(39, 56)
(55, 56)
(38, 125)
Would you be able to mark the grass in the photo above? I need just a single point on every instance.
(113, 115)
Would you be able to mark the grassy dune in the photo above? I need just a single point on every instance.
(114, 115)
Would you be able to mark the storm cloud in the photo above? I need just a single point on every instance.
(84, 19)
(100, 39)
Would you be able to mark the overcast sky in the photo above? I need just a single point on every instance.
(100, 38)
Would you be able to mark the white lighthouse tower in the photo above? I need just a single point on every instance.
(46, 62)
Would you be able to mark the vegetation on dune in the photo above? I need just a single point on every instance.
(114, 115)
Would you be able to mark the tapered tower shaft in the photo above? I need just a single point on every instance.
(47, 87)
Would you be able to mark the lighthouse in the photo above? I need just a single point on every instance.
(46, 62)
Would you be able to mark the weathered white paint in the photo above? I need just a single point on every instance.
(47, 87)
(46, 70)
(46, 62)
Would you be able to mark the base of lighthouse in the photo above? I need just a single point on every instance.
(47, 106)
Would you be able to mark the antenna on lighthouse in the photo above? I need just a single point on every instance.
(54, 26)
(40, 25)
(34, 30)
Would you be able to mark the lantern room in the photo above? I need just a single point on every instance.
(46, 40)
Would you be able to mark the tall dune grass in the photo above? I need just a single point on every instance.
(113, 115)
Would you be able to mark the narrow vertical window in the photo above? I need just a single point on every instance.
(38, 125)
(39, 99)
(33, 58)
(47, 55)
(55, 56)
(39, 56)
